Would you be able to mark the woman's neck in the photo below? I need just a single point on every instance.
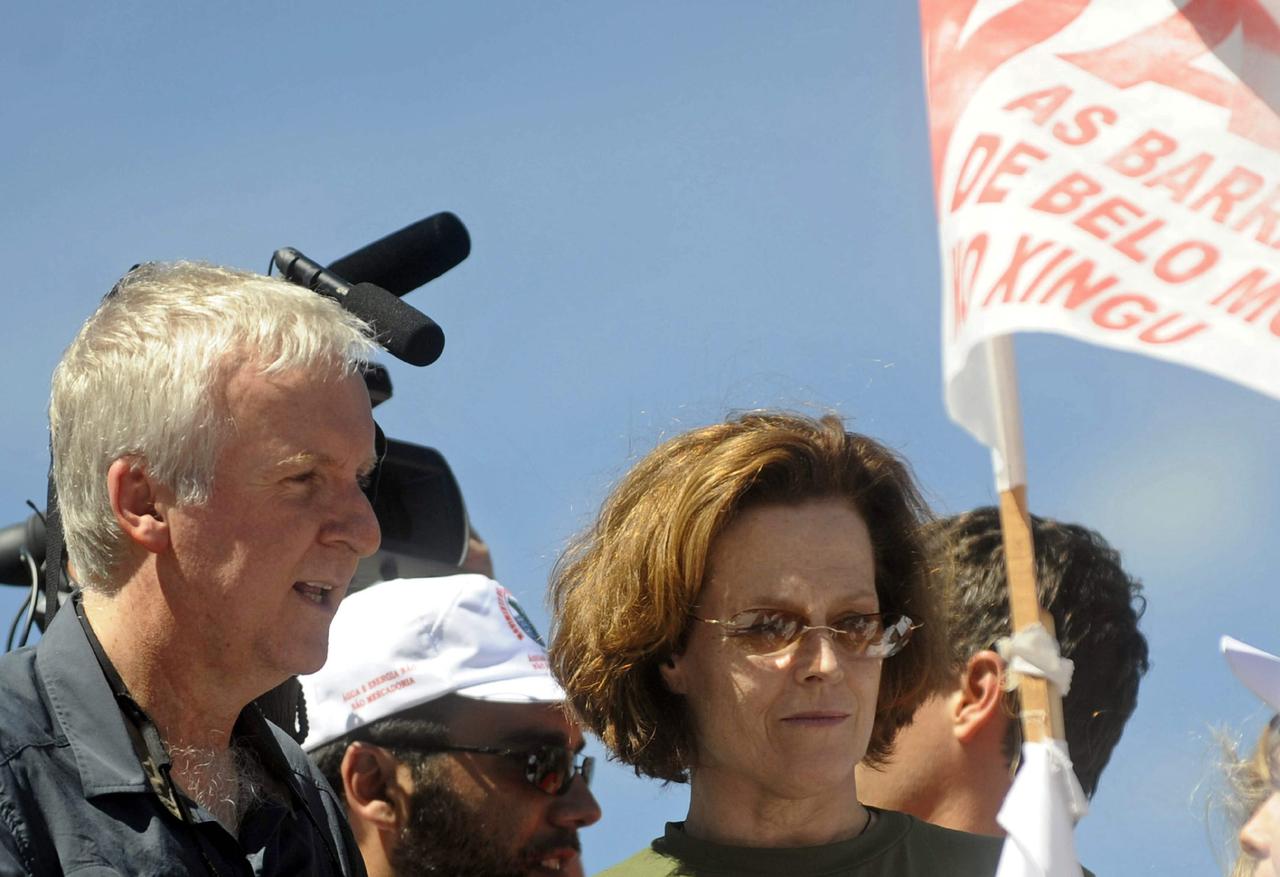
(734, 811)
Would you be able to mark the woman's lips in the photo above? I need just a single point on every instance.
(816, 718)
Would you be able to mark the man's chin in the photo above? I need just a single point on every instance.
(444, 836)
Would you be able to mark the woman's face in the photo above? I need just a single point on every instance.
(790, 724)
(1260, 838)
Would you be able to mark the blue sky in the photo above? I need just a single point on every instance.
(678, 211)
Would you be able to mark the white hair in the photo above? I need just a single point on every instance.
(145, 378)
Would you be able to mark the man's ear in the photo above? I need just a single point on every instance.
(134, 498)
(978, 705)
(372, 789)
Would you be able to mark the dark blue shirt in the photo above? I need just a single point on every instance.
(74, 798)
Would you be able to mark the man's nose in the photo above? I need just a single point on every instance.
(576, 808)
(355, 524)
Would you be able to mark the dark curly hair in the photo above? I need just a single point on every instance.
(1095, 607)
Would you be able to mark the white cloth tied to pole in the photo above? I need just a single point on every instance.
(1040, 813)
(1032, 651)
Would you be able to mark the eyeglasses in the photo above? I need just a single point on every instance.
(548, 768)
(770, 631)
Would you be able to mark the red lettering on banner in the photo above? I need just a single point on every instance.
(1151, 334)
(1203, 257)
(1087, 125)
(1057, 260)
(1073, 286)
(1165, 54)
(1103, 314)
(1175, 263)
(1140, 156)
(1112, 210)
(954, 72)
(1249, 291)
(1077, 282)
(1236, 191)
(1267, 214)
(1014, 163)
(1045, 103)
(965, 260)
(1128, 245)
(1010, 166)
(983, 150)
(1226, 192)
(1022, 254)
(1067, 194)
(1006, 286)
(1041, 104)
(1129, 311)
(1183, 178)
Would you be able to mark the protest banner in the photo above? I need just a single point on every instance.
(1108, 171)
(1111, 172)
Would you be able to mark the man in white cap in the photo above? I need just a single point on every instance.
(438, 723)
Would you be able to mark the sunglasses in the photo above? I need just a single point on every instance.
(548, 768)
(771, 631)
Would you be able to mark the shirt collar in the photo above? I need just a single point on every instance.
(86, 711)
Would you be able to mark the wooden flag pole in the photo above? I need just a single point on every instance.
(1041, 701)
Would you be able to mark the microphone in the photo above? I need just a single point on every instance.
(26, 536)
(406, 332)
(406, 259)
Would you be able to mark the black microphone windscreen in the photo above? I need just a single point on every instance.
(404, 260)
(406, 332)
(27, 536)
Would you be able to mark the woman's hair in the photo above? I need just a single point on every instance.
(623, 592)
(1250, 780)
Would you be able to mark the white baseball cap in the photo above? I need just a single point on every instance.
(1258, 670)
(405, 642)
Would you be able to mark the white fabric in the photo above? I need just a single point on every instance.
(1168, 246)
(1040, 813)
(1258, 670)
(1033, 651)
(398, 644)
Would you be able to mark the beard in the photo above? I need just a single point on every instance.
(446, 836)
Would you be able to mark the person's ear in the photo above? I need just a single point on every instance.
(673, 674)
(136, 504)
(373, 792)
(978, 704)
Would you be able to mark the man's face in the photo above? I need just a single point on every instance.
(475, 815)
(911, 780)
(256, 573)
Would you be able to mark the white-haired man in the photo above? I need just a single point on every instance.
(211, 435)
(437, 720)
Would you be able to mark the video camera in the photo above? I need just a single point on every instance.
(419, 506)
